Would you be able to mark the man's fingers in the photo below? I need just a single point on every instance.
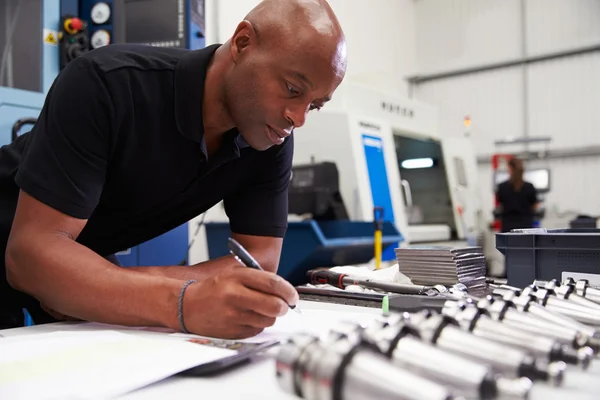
(258, 302)
(241, 332)
(268, 282)
(256, 320)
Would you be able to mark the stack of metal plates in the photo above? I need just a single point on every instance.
(440, 265)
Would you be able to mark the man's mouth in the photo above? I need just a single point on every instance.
(276, 135)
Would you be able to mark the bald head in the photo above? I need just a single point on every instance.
(286, 57)
(304, 19)
(307, 27)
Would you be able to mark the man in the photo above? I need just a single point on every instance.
(134, 141)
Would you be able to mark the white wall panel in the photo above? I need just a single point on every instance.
(380, 35)
(492, 100)
(575, 186)
(564, 100)
(454, 34)
(556, 25)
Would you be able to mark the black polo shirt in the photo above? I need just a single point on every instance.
(119, 142)
(517, 206)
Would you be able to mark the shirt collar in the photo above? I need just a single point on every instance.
(241, 143)
(190, 77)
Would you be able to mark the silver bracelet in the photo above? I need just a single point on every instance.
(180, 305)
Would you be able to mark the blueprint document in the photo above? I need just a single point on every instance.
(92, 364)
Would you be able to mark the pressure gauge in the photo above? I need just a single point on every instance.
(100, 38)
(100, 13)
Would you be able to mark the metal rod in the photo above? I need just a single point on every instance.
(524, 72)
(506, 64)
(589, 151)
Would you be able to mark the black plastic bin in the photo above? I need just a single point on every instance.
(546, 254)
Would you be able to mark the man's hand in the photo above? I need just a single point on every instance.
(237, 303)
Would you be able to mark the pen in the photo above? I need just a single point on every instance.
(244, 258)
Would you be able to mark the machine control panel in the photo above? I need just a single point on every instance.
(100, 13)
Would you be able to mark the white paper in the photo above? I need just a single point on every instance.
(92, 365)
(312, 321)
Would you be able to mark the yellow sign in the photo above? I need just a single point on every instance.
(50, 39)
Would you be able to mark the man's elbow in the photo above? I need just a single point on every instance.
(15, 272)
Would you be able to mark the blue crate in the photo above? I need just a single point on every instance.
(546, 253)
(312, 244)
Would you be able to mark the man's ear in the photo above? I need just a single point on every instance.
(244, 36)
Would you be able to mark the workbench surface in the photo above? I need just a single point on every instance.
(258, 381)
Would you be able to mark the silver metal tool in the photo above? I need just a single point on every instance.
(566, 292)
(524, 302)
(583, 288)
(559, 299)
(571, 309)
(541, 322)
(401, 343)
(475, 319)
(527, 303)
(347, 370)
(445, 333)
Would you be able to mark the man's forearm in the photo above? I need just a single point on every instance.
(204, 269)
(75, 281)
(198, 271)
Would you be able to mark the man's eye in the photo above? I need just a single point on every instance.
(292, 90)
(314, 107)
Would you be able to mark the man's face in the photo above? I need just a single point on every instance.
(270, 91)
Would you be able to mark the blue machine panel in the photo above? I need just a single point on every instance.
(85, 13)
(380, 188)
(170, 248)
(16, 104)
(50, 55)
(153, 26)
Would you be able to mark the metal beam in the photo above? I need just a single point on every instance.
(523, 140)
(589, 151)
(506, 64)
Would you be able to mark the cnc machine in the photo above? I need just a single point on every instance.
(391, 153)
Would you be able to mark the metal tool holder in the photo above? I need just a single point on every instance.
(496, 347)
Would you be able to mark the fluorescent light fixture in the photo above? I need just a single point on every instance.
(415, 163)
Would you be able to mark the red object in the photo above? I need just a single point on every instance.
(497, 225)
(324, 276)
(76, 24)
(73, 25)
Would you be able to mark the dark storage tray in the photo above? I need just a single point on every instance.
(545, 254)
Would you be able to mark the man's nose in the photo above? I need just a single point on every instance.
(296, 115)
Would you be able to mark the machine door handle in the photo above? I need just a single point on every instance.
(407, 193)
(19, 124)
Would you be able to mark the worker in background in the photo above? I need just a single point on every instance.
(134, 141)
(517, 199)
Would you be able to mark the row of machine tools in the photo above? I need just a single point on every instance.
(498, 346)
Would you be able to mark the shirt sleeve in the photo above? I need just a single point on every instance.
(260, 208)
(500, 193)
(66, 156)
(533, 197)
